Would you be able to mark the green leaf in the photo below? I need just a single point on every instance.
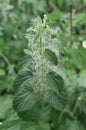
(25, 99)
(2, 72)
(24, 62)
(79, 62)
(11, 125)
(55, 81)
(45, 113)
(21, 125)
(81, 102)
(57, 94)
(55, 101)
(5, 105)
(55, 15)
(51, 56)
(30, 115)
(73, 125)
(28, 126)
(43, 126)
(26, 103)
(22, 78)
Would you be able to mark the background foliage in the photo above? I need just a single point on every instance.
(70, 18)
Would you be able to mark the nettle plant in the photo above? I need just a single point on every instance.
(39, 83)
(44, 92)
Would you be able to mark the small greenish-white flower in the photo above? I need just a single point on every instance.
(41, 37)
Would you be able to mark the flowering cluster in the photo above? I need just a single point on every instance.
(41, 37)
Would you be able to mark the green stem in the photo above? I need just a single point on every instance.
(71, 25)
